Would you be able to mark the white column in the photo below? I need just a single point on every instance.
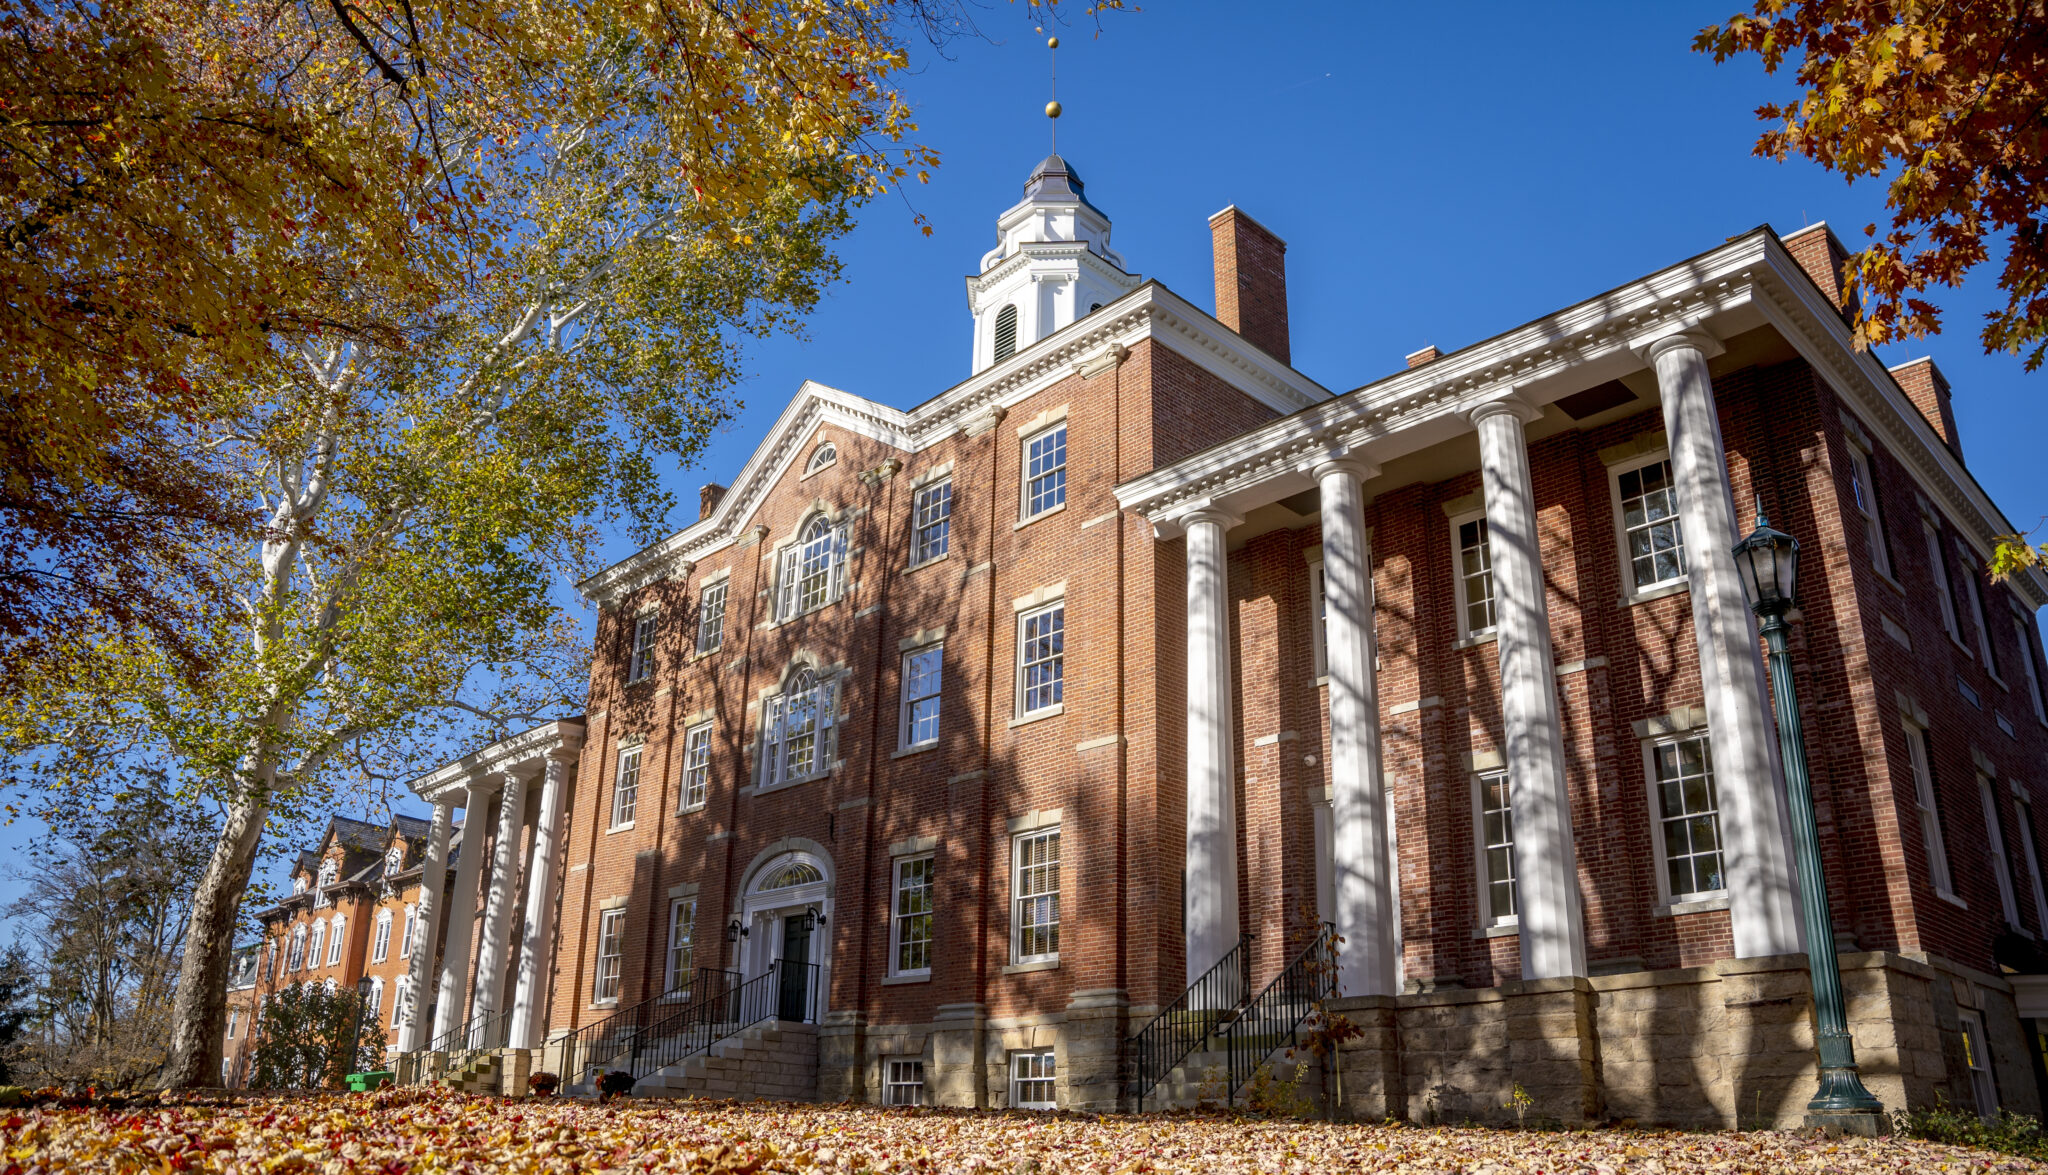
(1552, 927)
(1755, 823)
(1362, 864)
(462, 907)
(537, 945)
(496, 939)
(1212, 912)
(412, 1033)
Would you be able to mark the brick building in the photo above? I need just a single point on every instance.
(353, 915)
(976, 733)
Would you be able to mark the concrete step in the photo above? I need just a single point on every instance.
(776, 1060)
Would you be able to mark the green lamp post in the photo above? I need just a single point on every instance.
(1768, 562)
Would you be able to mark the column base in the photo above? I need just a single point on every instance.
(1553, 1051)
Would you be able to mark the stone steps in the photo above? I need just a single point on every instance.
(777, 1060)
(479, 1075)
(1203, 1077)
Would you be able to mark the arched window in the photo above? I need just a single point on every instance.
(1006, 333)
(813, 568)
(793, 874)
(300, 884)
(297, 958)
(328, 869)
(796, 729)
(822, 456)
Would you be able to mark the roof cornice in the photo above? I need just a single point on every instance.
(511, 755)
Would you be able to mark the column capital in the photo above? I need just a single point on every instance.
(1690, 335)
(1507, 403)
(1356, 464)
(567, 756)
(1208, 511)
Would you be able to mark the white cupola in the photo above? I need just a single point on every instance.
(1052, 264)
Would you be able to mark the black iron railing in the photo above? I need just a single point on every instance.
(1272, 1020)
(482, 1033)
(656, 1033)
(1211, 1002)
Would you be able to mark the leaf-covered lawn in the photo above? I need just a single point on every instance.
(397, 1133)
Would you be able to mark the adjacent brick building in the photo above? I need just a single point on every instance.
(981, 729)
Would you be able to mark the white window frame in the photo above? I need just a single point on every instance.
(931, 522)
(905, 875)
(1977, 613)
(1994, 844)
(401, 995)
(380, 946)
(1037, 1069)
(1920, 763)
(1459, 579)
(1977, 1061)
(405, 937)
(903, 1081)
(295, 958)
(2023, 632)
(2030, 852)
(1944, 592)
(825, 456)
(1056, 684)
(1864, 495)
(626, 788)
(646, 631)
(611, 956)
(711, 616)
(696, 766)
(335, 939)
(816, 703)
(1484, 846)
(234, 1014)
(1318, 618)
(1054, 495)
(1046, 930)
(375, 1006)
(1658, 817)
(1630, 589)
(818, 552)
(682, 918)
(919, 688)
(394, 861)
(316, 944)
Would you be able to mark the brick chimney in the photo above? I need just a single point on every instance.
(1820, 253)
(1251, 281)
(1924, 384)
(707, 500)
(1428, 354)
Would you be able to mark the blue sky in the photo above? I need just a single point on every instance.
(1440, 174)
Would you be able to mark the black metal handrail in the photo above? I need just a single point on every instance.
(617, 1041)
(695, 1029)
(1209, 1003)
(1272, 1020)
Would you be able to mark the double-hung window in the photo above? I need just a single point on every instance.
(1944, 595)
(1977, 1062)
(931, 522)
(796, 727)
(1976, 594)
(1041, 659)
(1994, 845)
(1653, 542)
(412, 916)
(1863, 491)
(626, 788)
(233, 1015)
(1035, 908)
(1045, 470)
(2030, 852)
(376, 1000)
(401, 998)
(315, 943)
(335, 940)
(1031, 1080)
(297, 958)
(380, 946)
(1474, 579)
(2023, 635)
(1919, 755)
(711, 617)
(1688, 814)
(813, 568)
(611, 955)
(903, 1084)
(1318, 618)
(682, 951)
(640, 666)
(922, 670)
(1496, 850)
(696, 765)
(910, 923)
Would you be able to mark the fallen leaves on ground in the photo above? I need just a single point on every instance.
(417, 1133)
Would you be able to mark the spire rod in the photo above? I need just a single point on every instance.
(1052, 108)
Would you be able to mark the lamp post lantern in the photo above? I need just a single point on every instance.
(1768, 562)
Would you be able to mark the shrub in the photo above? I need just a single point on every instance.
(543, 1082)
(617, 1083)
(2012, 1134)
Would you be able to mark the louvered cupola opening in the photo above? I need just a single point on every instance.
(1006, 333)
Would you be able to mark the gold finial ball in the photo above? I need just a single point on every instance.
(1053, 43)
(1052, 110)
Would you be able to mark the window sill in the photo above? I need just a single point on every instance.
(1692, 904)
(1052, 711)
(934, 561)
(915, 977)
(1997, 681)
(602, 1005)
(1052, 964)
(1507, 929)
(703, 654)
(693, 808)
(1322, 679)
(1952, 899)
(643, 679)
(1042, 514)
(1956, 639)
(755, 789)
(1488, 637)
(919, 749)
(1887, 577)
(626, 827)
(1658, 592)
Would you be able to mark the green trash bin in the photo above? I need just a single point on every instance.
(364, 1082)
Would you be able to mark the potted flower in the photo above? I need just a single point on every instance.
(617, 1083)
(543, 1083)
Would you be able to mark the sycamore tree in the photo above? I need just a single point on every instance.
(1942, 101)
